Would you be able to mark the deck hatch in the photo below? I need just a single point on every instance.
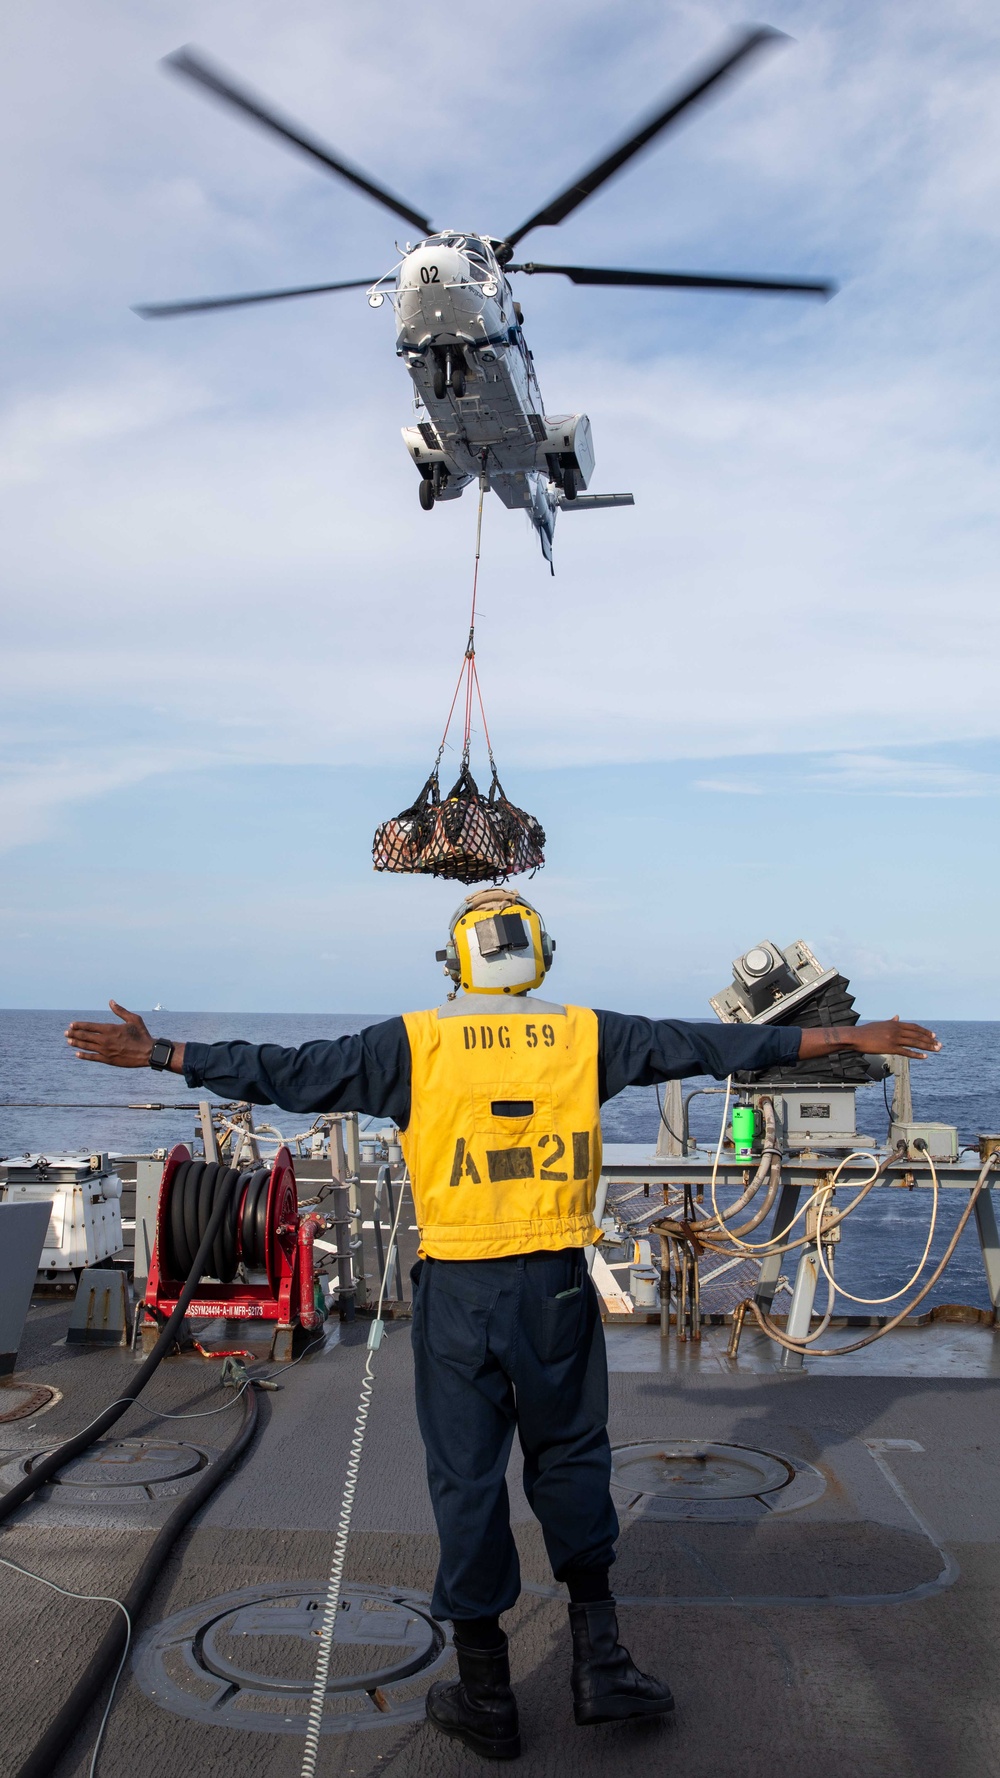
(246, 1659)
(697, 1479)
(118, 1472)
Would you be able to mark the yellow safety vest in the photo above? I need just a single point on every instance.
(504, 1139)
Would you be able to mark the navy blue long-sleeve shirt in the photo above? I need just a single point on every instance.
(369, 1071)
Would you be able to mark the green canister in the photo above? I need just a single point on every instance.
(744, 1118)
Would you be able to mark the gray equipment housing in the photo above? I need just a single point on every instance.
(100, 1315)
(23, 1228)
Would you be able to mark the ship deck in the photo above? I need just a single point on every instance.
(829, 1603)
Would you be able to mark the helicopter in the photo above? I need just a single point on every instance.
(479, 410)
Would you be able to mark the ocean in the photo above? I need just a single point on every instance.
(881, 1242)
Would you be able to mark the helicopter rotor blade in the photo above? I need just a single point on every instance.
(590, 274)
(584, 187)
(193, 65)
(198, 304)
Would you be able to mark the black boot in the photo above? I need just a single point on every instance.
(479, 1708)
(607, 1684)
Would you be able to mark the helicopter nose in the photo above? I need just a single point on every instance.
(432, 268)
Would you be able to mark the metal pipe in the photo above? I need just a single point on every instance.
(664, 1289)
(383, 1174)
(309, 1315)
(770, 1271)
(686, 1114)
(739, 1316)
(392, 1218)
(800, 1313)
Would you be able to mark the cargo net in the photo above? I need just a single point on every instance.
(466, 835)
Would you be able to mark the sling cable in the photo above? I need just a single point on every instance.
(465, 835)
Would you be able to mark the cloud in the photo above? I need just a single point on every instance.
(33, 796)
(39, 430)
(213, 553)
(862, 774)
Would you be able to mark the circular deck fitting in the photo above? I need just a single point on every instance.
(696, 1479)
(19, 1401)
(132, 1471)
(247, 1659)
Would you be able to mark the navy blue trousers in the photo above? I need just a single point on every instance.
(501, 1344)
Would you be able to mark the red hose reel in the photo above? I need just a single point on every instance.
(262, 1232)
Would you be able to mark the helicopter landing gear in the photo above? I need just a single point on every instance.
(569, 484)
(448, 373)
(432, 485)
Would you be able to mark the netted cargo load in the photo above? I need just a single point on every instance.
(465, 836)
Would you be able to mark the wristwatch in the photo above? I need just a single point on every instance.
(161, 1054)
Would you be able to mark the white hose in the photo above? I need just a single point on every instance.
(875, 1301)
(317, 1701)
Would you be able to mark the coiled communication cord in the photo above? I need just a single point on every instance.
(324, 1656)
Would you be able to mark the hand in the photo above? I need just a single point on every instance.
(882, 1037)
(888, 1037)
(128, 1045)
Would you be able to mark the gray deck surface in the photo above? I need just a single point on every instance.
(852, 1636)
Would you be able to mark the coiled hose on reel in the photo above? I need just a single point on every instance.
(241, 1231)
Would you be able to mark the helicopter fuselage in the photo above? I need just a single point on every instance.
(479, 411)
(478, 402)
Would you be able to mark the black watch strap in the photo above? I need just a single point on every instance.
(161, 1054)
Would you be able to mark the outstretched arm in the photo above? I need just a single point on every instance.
(635, 1051)
(367, 1071)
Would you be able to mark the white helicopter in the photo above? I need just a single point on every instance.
(479, 407)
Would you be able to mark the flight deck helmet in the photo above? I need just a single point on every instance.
(497, 944)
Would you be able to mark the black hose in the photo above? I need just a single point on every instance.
(41, 1761)
(56, 1460)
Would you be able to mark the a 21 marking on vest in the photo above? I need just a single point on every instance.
(519, 1162)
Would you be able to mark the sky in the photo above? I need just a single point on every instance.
(760, 704)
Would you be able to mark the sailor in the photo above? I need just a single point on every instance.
(497, 1095)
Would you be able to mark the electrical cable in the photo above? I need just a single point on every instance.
(877, 1301)
(324, 1653)
(40, 1761)
(204, 1413)
(44, 1755)
(663, 1117)
(777, 1244)
(56, 1460)
(712, 1234)
(88, 1599)
(774, 1333)
(265, 1378)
